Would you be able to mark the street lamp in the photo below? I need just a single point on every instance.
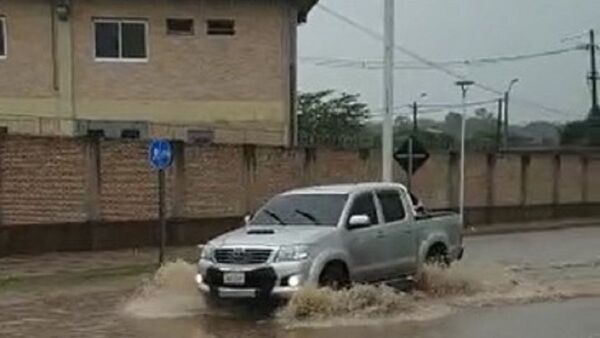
(464, 86)
(506, 99)
(422, 96)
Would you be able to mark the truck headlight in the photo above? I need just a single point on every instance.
(292, 253)
(208, 253)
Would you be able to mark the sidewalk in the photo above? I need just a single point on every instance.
(23, 268)
(503, 228)
(99, 263)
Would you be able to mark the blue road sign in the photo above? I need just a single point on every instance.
(160, 154)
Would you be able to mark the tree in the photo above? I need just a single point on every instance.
(582, 133)
(327, 118)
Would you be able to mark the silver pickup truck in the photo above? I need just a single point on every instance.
(327, 236)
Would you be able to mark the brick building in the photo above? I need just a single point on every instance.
(195, 70)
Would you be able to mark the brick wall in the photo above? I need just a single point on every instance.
(41, 180)
(56, 180)
(128, 188)
(570, 182)
(540, 179)
(214, 182)
(506, 182)
(593, 179)
(275, 170)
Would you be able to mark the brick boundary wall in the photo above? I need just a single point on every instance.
(85, 193)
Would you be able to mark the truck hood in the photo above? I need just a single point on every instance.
(273, 235)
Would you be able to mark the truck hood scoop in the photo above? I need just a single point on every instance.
(260, 232)
(273, 235)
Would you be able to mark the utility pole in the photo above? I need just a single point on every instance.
(415, 119)
(595, 110)
(499, 125)
(464, 86)
(388, 84)
(506, 104)
(506, 100)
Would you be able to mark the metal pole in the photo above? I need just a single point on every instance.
(463, 127)
(499, 125)
(388, 81)
(411, 147)
(595, 111)
(415, 118)
(161, 216)
(410, 163)
(464, 86)
(506, 120)
(506, 106)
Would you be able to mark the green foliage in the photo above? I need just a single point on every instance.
(582, 133)
(329, 119)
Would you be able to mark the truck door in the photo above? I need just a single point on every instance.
(400, 240)
(365, 244)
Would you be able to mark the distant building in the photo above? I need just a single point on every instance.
(196, 70)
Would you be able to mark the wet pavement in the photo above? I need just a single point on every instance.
(565, 264)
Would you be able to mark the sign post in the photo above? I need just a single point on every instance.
(411, 156)
(160, 156)
(410, 162)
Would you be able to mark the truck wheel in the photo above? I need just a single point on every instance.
(334, 276)
(438, 255)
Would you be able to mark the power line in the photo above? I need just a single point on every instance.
(438, 107)
(458, 105)
(433, 65)
(332, 62)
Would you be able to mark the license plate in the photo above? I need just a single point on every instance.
(234, 278)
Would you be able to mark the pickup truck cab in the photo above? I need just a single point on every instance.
(327, 236)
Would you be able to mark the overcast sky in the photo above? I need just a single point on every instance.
(444, 30)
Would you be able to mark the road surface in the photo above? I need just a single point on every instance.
(541, 284)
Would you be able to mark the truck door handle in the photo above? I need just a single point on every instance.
(380, 234)
(409, 231)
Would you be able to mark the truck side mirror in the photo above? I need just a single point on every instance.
(247, 219)
(359, 221)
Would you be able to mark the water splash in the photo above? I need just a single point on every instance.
(170, 293)
(358, 301)
(436, 293)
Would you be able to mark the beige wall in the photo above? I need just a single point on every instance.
(238, 84)
(27, 73)
(229, 80)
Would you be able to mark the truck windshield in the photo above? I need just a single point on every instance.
(302, 209)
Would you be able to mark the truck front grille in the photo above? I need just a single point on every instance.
(242, 256)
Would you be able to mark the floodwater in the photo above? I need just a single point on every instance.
(544, 284)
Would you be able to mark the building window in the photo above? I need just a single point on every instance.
(2, 37)
(220, 27)
(130, 134)
(121, 40)
(180, 26)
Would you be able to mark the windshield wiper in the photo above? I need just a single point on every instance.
(274, 216)
(309, 216)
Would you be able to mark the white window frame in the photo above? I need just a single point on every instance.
(119, 22)
(5, 37)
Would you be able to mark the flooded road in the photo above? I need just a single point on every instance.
(544, 284)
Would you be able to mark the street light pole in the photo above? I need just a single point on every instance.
(464, 86)
(595, 110)
(388, 82)
(506, 102)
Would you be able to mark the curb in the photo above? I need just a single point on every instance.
(531, 227)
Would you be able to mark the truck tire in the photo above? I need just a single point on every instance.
(437, 255)
(334, 276)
